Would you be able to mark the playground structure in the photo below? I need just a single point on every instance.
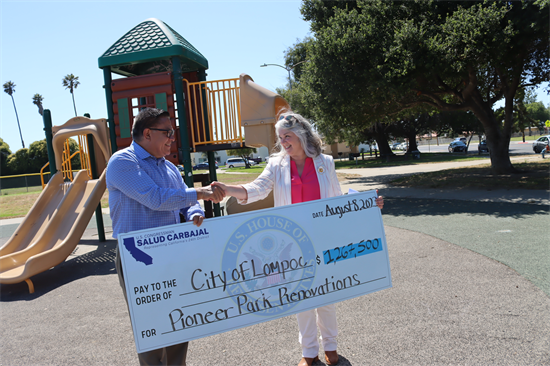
(54, 225)
(161, 70)
(165, 71)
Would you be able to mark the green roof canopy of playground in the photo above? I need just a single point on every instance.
(148, 48)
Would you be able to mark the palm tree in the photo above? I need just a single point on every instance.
(71, 82)
(37, 99)
(9, 88)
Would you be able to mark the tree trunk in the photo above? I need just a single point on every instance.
(74, 105)
(497, 135)
(411, 136)
(18, 124)
(382, 141)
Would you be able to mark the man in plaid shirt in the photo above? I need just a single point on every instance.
(147, 191)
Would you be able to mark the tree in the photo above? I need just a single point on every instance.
(71, 82)
(75, 161)
(412, 125)
(538, 112)
(9, 88)
(372, 58)
(37, 99)
(458, 123)
(5, 152)
(244, 153)
(297, 55)
(38, 156)
(522, 119)
(18, 163)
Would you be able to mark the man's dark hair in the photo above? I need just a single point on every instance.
(147, 118)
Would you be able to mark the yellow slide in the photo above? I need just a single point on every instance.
(54, 225)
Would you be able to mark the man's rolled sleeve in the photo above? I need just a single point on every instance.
(192, 211)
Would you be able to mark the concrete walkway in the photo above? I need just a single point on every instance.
(449, 305)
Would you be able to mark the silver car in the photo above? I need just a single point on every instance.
(540, 143)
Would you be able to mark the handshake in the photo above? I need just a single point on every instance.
(214, 192)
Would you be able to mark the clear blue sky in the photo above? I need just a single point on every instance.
(42, 41)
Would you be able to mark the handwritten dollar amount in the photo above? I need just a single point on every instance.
(351, 250)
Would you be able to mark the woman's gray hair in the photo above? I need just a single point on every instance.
(310, 140)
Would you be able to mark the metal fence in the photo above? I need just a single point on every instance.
(22, 181)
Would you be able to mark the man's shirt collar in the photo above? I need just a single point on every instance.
(142, 154)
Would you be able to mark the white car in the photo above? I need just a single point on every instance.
(237, 162)
(540, 143)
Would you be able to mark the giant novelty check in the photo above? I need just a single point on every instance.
(185, 282)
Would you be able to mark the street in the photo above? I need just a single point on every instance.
(516, 148)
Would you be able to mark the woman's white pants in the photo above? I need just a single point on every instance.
(325, 318)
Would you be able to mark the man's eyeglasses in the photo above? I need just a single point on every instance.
(169, 133)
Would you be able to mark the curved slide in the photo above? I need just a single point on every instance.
(55, 223)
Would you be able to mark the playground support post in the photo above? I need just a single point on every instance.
(184, 137)
(47, 117)
(95, 175)
(110, 114)
(210, 154)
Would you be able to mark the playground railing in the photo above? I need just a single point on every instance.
(214, 112)
(66, 168)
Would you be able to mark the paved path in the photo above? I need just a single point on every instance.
(379, 178)
(449, 305)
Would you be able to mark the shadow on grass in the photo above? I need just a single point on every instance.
(412, 207)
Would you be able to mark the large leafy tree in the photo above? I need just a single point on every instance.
(71, 82)
(371, 59)
(38, 156)
(538, 112)
(5, 152)
(18, 163)
(9, 88)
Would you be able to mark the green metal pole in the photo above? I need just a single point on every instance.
(95, 175)
(184, 137)
(210, 154)
(110, 113)
(47, 117)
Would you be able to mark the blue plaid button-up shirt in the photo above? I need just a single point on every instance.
(147, 192)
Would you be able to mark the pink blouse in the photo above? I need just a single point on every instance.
(305, 188)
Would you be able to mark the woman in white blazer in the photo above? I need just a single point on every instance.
(290, 173)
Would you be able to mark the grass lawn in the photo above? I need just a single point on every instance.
(533, 137)
(398, 160)
(17, 202)
(532, 175)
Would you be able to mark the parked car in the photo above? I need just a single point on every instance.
(203, 166)
(395, 145)
(457, 146)
(403, 146)
(463, 139)
(540, 143)
(482, 147)
(235, 162)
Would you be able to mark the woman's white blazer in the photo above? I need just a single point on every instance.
(276, 177)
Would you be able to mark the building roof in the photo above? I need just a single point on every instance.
(148, 48)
